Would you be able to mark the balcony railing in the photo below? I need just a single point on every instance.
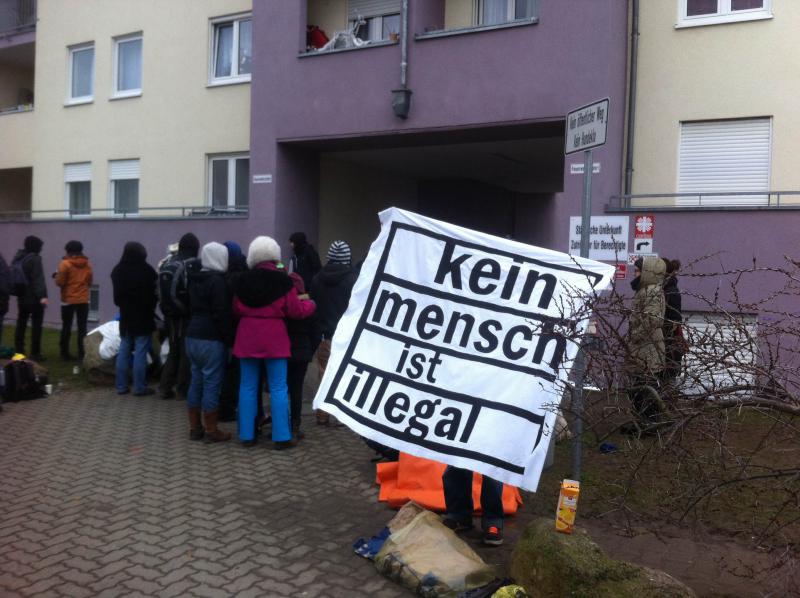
(17, 15)
(716, 200)
(143, 213)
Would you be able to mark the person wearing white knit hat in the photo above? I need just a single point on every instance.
(264, 297)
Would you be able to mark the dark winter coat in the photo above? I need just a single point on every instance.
(305, 262)
(672, 295)
(134, 283)
(36, 289)
(331, 290)
(211, 307)
(5, 285)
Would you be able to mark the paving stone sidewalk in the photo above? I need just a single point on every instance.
(103, 495)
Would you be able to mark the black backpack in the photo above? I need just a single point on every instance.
(19, 280)
(173, 288)
(21, 382)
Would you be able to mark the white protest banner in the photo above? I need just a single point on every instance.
(453, 344)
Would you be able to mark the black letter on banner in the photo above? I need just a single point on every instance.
(450, 266)
(432, 314)
(422, 410)
(508, 351)
(455, 318)
(488, 336)
(479, 271)
(530, 282)
(546, 337)
(473, 417)
(394, 402)
(448, 428)
(397, 303)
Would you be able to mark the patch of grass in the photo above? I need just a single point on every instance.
(60, 373)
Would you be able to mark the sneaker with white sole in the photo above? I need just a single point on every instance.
(493, 536)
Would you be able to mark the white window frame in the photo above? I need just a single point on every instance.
(724, 14)
(117, 93)
(231, 159)
(510, 13)
(67, 183)
(234, 77)
(111, 188)
(71, 50)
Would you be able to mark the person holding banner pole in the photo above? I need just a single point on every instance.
(457, 484)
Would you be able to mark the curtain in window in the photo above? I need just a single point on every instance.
(219, 183)
(701, 7)
(391, 26)
(494, 12)
(82, 67)
(129, 68)
(242, 182)
(223, 64)
(126, 196)
(245, 47)
(80, 198)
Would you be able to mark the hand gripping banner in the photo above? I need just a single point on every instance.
(454, 342)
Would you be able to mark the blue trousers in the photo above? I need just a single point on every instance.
(139, 345)
(279, 398)
(458, 497)
(207, 359)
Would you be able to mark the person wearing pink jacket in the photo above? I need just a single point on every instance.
(264, 297)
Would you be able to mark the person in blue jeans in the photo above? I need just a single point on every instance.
(134, 284)
(208, 337)
(457, 484)
(264, 297)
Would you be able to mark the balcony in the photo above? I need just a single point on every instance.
(16, 17)
(718, 200)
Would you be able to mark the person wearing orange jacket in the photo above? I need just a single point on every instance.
(74, 277)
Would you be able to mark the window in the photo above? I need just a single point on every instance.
(124, 186)
(495, 12)
(229, 181)
(94, 303)
(232, 50)
(723, 156)
(81, 74)
(709, 12)
(374, 20)
(78, 188)
(128, 66)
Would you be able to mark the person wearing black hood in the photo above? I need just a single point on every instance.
(674, 343)
(331, 290)
(33, 299)
(305, 259)
(175, 305)
(5, 292)
(134, 283)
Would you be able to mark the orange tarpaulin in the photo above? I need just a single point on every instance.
(420, 480)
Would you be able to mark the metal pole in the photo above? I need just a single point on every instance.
(580, 359)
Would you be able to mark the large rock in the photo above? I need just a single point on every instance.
(550, 564)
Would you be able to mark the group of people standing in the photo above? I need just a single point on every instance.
(233, 322)
(656, 340)
(25, 279)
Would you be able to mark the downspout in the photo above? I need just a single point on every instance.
(633, 68)
(401, 97)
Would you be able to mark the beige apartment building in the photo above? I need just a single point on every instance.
(118, 108)
(716, 103)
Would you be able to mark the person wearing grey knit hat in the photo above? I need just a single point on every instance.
(331, 290)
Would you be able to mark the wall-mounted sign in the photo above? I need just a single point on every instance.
(578, 168)
(260, 179)
(608, 238)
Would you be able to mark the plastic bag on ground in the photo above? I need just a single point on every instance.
(429, 559)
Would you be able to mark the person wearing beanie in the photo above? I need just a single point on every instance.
(32, 299)
(331, 290)
(174, 301)
(134, 284)
(264, 297)
(305, 259)
(74, 278)
(229, 397)
(208, 337)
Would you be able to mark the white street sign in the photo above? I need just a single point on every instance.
(586, 127)
(608, 238)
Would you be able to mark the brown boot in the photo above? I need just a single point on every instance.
(212, 433)
(195, 425)
(322, 417)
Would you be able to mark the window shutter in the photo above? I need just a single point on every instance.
(719, 156)
(123, 169)
(371, 8)
(75, 173)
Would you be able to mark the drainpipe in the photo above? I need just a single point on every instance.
(634, 62)
(401, 97)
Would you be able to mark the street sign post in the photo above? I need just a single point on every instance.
(586, 129)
